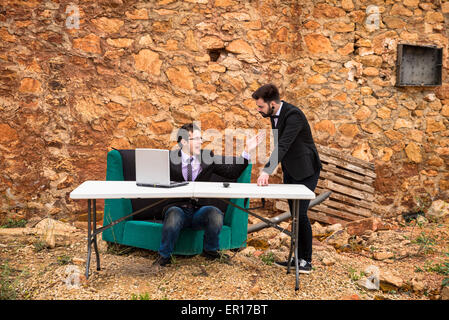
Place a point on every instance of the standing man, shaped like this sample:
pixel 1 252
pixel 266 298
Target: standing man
pixel 192 163
pixel 298 155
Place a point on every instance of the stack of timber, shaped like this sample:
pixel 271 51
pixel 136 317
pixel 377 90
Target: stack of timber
pixel 351 181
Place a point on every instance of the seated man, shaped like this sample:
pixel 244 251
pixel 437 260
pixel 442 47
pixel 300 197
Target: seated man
pixel 191 163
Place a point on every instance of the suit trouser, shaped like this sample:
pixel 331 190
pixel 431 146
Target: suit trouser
pixel 304 229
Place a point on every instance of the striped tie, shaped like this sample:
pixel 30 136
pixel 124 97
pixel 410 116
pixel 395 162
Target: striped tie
pixel 189 169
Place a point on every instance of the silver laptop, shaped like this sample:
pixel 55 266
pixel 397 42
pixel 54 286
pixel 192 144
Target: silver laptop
pixel 153 169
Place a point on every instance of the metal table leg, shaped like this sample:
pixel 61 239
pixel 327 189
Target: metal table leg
pixel 92 234
pixel 97 254
pixel 296 234
pixel 294 242
pixel 89 237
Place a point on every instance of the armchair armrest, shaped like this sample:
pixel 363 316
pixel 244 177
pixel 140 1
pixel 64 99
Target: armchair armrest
pixel 115 208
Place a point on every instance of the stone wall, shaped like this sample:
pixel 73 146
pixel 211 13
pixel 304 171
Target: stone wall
pixel 133 71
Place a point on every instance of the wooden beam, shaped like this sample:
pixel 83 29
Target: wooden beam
pixel 329 167
pixel 348 166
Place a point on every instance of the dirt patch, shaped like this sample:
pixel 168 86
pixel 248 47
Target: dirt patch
pixel 412 262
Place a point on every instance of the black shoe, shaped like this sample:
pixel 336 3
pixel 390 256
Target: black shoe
pixel 303 265
pixel 284 264
pixel 212 255
pixel 161 261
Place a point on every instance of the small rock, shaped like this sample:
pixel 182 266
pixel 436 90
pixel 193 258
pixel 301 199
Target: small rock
pixel 334 228
pixel 338 239
pixel 275 242
pixel 31 223
pixel 418 285
pixel 282 205
pixel 430 97
pixel 49 233
pixel 260 244
pixel 58 226
pixel 445 293
pixel 382 255
pixel 285 239
pixel 389 278
pixel 360 226
pixel 78 261
pixel 258 253
pixel 318 229
pixel 255 290
pixel 437 210
pixel 281 255
pixel 421 220
pixel 328 261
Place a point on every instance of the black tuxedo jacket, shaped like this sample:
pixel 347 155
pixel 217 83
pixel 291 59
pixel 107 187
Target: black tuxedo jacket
pixel 297 152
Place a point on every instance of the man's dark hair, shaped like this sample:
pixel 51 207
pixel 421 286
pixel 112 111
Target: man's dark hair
pixel 183 132
pixel 268 92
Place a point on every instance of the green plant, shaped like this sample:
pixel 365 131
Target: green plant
pixel 39 245
pixel 445 281
pixel 267 258
pixel 64 259
pixel 354 275
pixel 422 204
pixel 7 285
pixel 144 296
pixel 11 223
pixel 426 243
pixel 440 268
pixel 119 249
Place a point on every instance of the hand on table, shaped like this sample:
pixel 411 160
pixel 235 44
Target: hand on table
pixel 262 180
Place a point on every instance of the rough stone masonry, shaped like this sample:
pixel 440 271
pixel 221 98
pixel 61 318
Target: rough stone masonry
pixel 80 77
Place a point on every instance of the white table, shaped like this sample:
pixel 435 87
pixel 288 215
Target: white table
pixel 92 190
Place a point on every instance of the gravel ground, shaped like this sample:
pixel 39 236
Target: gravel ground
pixel 127 273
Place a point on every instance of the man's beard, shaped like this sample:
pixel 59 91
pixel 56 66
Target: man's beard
pixel 266 115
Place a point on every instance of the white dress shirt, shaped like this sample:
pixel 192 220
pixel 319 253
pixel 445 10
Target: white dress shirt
pixel 277 114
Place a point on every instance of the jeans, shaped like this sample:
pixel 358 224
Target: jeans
pixel 304 228
pixel 207 218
